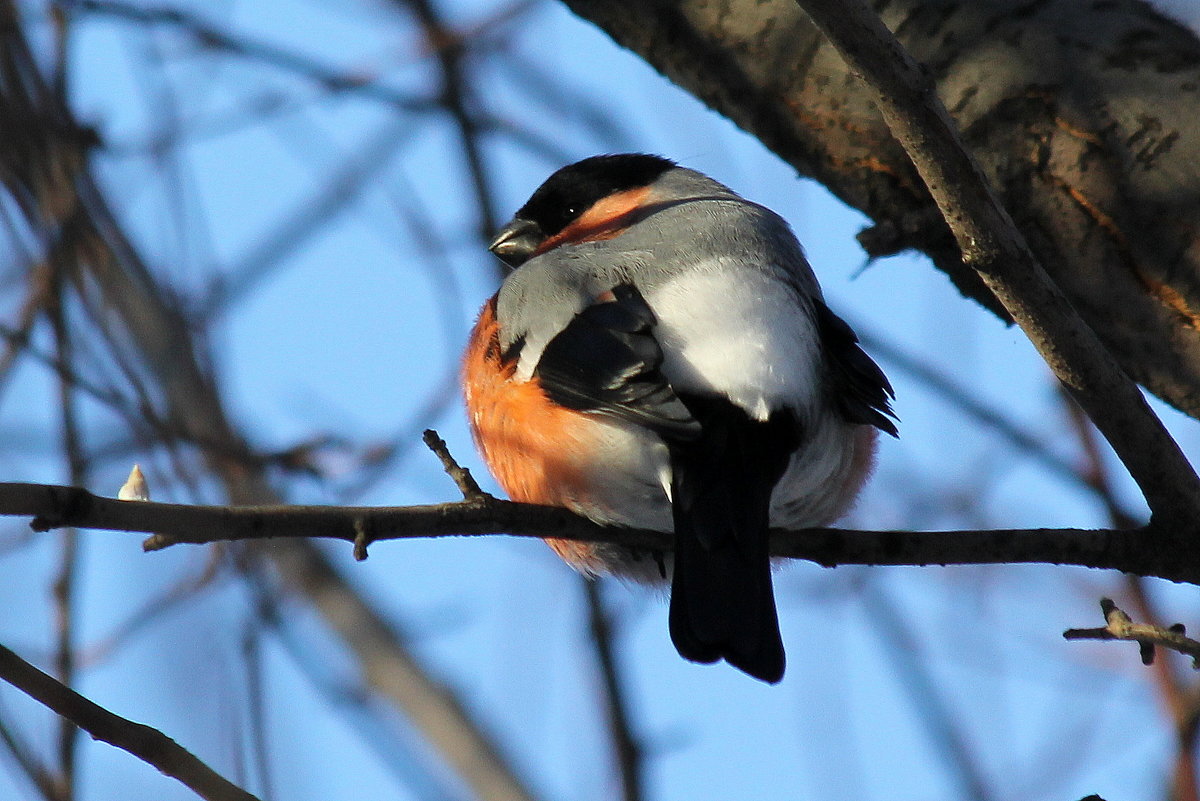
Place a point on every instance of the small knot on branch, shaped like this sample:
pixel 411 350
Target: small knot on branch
pixel 362 538
pixel 1119 626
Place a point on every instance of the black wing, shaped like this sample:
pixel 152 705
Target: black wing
pixel 859 388
pixel 607 361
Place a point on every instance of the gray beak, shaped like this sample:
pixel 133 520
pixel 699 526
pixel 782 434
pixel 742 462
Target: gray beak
pixel 517 242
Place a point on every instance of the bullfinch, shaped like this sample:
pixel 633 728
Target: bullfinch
pixel 661 357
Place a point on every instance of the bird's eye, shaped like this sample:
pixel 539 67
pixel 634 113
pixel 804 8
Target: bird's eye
pixel 571 211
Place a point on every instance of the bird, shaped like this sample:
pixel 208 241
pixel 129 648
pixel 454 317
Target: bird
pixel 661 357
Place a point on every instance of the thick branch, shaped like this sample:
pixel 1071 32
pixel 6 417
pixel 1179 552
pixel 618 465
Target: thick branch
pixel 170 524
pixel 147 744
pixel 1081 114
pixel 993 246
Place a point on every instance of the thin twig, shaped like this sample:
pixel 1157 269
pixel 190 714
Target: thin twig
pixel 147 744
pixel 1181 705
pixel 1119 626
pixel 362 538
pixel 461 476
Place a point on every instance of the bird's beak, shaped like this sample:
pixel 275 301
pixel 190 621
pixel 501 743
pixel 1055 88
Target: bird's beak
pixel 517 242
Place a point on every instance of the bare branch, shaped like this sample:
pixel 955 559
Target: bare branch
pixel 147 744
pixel 1180 704
pixel 1119 626
pixel 170 524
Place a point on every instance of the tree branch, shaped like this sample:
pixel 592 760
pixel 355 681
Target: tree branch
pixel 147 744
pixel 1119 626
pixel 460 475
pixel 992 245
pixel 172 524
pixel 1084 133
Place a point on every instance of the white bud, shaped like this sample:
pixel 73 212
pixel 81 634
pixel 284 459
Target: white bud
pixel 135 487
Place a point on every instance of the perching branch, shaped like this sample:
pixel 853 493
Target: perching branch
pixel 147 744
pixel 1119 626
pixel 172 524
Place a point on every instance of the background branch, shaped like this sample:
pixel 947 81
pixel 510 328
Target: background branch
pixel 146 743
pixel 145 327
pixel 627 746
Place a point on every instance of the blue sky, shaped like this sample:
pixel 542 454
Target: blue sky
pixel 357 328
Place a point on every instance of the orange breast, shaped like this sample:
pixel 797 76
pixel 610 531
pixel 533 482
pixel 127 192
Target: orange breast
pixel 537 450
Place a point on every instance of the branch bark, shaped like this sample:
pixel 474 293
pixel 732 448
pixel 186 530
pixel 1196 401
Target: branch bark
pixel 996 250
pixel 171 524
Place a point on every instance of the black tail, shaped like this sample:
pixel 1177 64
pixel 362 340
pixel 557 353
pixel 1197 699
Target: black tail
pixel 722 601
